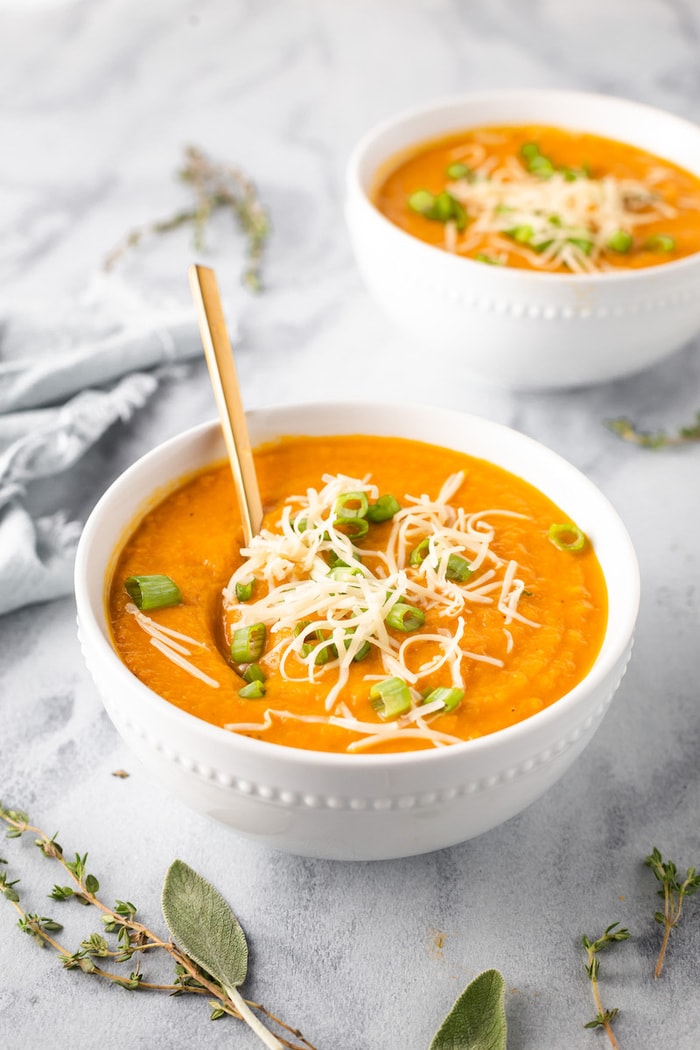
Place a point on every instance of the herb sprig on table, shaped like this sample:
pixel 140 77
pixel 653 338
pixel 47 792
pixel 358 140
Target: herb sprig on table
pixel 214 187
pixel 210 952
pixel 613 934
pixel 208 948
pixel 674 889
pixel 654 439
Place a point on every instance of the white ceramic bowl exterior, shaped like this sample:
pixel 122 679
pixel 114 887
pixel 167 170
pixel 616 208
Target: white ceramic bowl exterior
pixel 355 806
pixel 512 327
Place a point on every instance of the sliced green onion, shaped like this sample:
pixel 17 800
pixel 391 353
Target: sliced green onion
pixel 336 562
pixel 363 651
pixel 325 654
pixel 458 569
pixel 244 591
pixel 555 220
pixel 253 691
pixel 344 573
pixel 248 643
pixel 529 150
pixel 422 201
pixel 482 257
pixel 153 592
pixel 300 627
pixel 300 523
pixel 350 505
pixel 419 553
pixel 353 528
pixel 567 537
pixel 404 617
pixel 441 208
pixel 521 234
pixel 390 698
pixel 450 697
pixel 385 508
pixel 459 171
pixel 660 242
pixel 620 241
pixel 254 673
pixel 585 244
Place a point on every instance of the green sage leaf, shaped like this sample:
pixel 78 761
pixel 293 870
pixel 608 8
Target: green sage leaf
pixel 203 925
pixel 477 1021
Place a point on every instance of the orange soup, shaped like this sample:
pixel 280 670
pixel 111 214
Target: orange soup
pixel 542 198
pixel 414 598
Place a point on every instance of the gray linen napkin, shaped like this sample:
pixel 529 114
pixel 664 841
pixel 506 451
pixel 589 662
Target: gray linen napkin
pixel 53 407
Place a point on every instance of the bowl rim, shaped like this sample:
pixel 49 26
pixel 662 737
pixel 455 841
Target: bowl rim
pixel 355 191
pixel 95 631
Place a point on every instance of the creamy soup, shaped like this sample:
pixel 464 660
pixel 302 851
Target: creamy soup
pixel 543 198
pixel 399 596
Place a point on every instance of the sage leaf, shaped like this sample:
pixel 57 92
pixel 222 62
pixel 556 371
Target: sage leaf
pixel 477 1021
pixel 203 925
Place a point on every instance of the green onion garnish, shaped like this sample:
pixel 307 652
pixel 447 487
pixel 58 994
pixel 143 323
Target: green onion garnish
pixel 248 643
pixel 325 654
pixel 521 234
pixel 336 562
pixel 253 691
pixel 536 162
pixel 244 591
pixel 153 592
pixel 353 528
pixel 621 241
pixel 567 537
pixel 450 697
pixel 254 673
pixel 344 573
pixel 482 257
pixel 385 508
pixel 390 698
pixel 459 171
pixel 350 505
pixel 364 649
pixel 404 617
pixel 660 243
pixel 441 208
pixel 458 569
pixel 584 244
pixel 419 553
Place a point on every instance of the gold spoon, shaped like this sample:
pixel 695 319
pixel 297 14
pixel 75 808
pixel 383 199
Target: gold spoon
pixel 222 371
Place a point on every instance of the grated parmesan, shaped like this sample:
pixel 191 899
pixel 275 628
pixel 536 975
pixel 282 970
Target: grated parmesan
pixel 308 607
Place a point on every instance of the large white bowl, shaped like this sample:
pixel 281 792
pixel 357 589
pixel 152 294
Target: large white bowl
pixel 355 806
pixel 513 327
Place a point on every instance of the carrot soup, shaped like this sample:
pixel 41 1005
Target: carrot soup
pixel 413 598
pixel 543 198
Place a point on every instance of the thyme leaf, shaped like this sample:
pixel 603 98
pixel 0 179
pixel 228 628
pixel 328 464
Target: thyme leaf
pixel 674 890
pixel 214 187
pixel 211 959
pixel 603 1018
pixel 628 431
pixel 477 1021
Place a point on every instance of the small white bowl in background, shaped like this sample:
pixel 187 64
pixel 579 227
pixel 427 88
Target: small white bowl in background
pixel 355 807
pixel 511 327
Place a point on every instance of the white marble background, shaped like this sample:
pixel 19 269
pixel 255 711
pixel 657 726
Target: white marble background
pixel 97 100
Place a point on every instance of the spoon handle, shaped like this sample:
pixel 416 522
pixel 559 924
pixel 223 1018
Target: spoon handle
pixel 222 371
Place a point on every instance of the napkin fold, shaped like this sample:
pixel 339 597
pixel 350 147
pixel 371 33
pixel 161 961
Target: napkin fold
pixel 55 403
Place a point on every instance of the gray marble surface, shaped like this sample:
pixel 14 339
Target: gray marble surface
pixel 97 100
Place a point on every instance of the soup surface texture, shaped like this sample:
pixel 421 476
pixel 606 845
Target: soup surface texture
pixel 413 598
pixel 543 198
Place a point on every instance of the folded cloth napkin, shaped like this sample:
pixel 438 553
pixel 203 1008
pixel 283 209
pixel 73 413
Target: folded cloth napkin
pixel 53 407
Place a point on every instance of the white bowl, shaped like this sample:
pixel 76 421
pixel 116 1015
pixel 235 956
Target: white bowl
pixel 355 806
pixel 514 327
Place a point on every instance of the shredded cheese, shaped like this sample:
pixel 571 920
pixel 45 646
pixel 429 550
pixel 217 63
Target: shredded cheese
pixel 564 221
pixel 163 639
pixel 310 609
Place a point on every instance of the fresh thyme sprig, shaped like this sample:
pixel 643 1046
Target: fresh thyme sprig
pixel 628 431
pixel 603 1018
pixel 215 186
pixel 674 891
pixel 187 897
